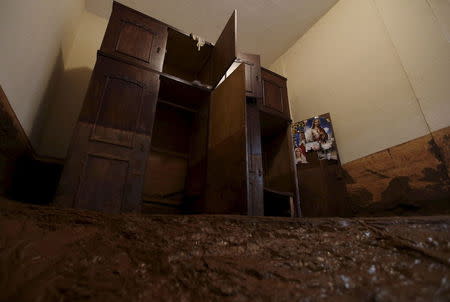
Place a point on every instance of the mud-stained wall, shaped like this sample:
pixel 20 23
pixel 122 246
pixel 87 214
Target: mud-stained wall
pixel 409 178
pixel 380 67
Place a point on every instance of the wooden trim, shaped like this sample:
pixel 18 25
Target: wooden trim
pixel 12 129
pixel 22 144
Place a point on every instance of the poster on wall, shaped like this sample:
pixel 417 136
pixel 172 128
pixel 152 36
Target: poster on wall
pixel 314 135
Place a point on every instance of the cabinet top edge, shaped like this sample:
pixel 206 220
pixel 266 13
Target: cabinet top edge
pixel 273 73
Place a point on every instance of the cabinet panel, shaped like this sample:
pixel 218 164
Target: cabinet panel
pixel 117 119
pixel 107 173
pixel 134 36
pixel 223 54
pixel 275 99
pixel 135 41
pixel 106 162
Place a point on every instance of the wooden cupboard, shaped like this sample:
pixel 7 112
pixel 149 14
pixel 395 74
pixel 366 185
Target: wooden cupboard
pixel 170 128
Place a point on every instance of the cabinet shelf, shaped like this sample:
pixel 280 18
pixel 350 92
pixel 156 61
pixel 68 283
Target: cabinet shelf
pixel 168 152
pixel 177 106
pixel 287 194
pixel 160 201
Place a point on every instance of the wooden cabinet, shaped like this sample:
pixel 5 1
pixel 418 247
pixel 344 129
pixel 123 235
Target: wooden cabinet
pixel 105 167
pixel 159 134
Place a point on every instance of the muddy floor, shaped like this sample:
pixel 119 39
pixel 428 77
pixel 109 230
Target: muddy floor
pixel 49 254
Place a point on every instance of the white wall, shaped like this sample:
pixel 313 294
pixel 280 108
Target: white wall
pixel 66 102
pixel 34 36
pixel 419 30
pixel 371 63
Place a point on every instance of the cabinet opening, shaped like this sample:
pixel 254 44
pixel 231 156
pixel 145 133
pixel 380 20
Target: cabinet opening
pixel 183 59
pixel 178 144
pixel 278 203
pixel 276 154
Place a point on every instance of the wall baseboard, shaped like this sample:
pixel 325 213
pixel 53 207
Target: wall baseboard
pixel 14 141
pixel 24 175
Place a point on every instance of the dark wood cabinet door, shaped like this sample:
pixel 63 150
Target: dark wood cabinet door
pixel 135 37
pixel 226 181
pixel 252 74
pixel 275 97
pixel 106 162
pixel 223 55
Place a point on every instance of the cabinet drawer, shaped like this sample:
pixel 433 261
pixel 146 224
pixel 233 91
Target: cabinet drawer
pixel 275 98
pixel 135 37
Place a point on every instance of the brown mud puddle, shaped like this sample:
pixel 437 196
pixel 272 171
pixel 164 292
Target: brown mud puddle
pixel 49 254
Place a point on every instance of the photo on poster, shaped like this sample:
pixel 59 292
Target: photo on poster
pixel 314 135
pixel 298 132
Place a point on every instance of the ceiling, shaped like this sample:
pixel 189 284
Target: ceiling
pixel 265 27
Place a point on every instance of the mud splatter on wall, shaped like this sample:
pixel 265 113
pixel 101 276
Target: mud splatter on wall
pixel 409 178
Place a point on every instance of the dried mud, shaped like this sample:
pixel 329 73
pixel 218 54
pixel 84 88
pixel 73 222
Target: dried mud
pixel 50 254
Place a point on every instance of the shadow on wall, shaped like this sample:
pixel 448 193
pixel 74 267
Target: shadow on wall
pixel 59 110
pixel 35 180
